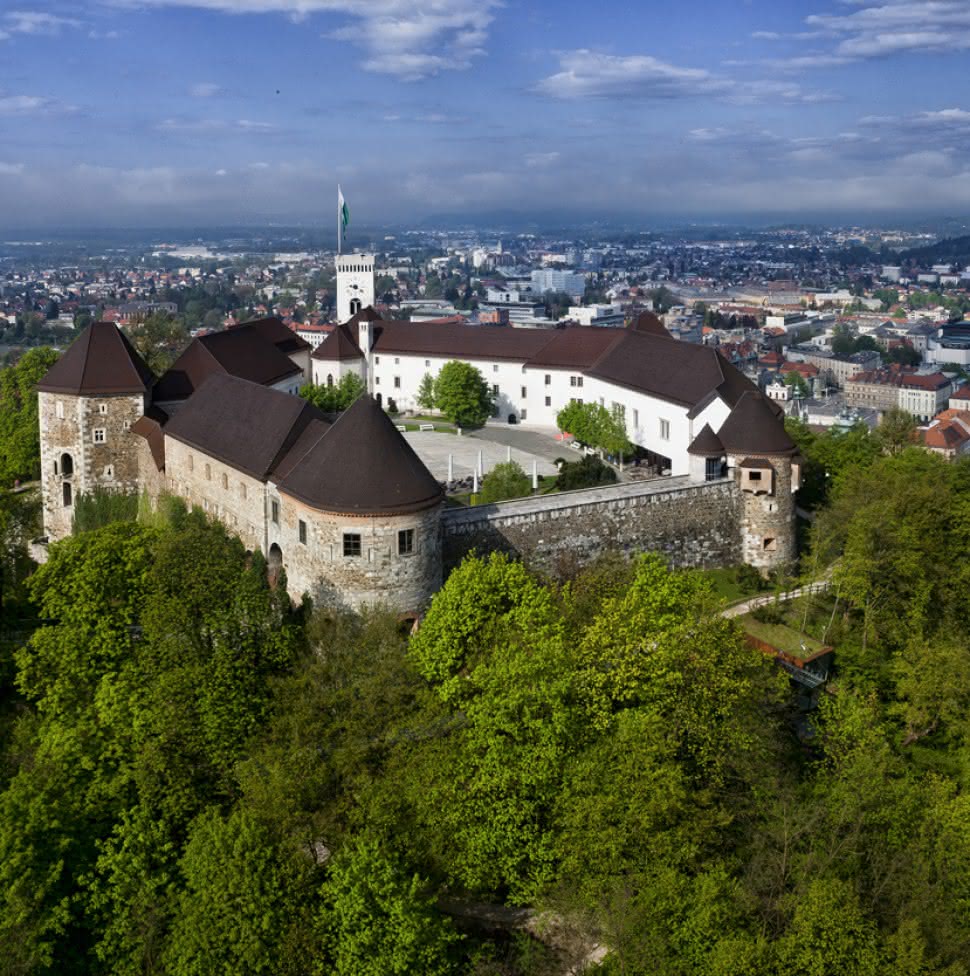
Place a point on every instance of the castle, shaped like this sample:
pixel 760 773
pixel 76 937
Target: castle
pixel 345 505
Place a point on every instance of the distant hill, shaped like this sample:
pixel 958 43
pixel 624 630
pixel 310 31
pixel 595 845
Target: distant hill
pixel 953 250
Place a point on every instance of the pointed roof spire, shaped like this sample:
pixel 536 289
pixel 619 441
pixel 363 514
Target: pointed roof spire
pixel 363 466
pixel 338 345
pixel 100 361
pixel 706 444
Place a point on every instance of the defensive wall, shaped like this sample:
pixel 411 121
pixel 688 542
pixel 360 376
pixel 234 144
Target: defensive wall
pixel 691 524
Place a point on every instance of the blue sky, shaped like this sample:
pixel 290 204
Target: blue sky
pixel 120 112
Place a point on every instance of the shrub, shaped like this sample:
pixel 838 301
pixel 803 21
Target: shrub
pixel 588 472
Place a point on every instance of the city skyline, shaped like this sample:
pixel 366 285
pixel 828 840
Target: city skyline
pixel 233 111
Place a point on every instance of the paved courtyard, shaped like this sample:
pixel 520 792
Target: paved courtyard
pixel 494 443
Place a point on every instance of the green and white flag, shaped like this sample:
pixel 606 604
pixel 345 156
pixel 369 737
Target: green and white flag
pixel 343 211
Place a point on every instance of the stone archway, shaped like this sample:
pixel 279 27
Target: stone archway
pixel 67 465
pixel 274 564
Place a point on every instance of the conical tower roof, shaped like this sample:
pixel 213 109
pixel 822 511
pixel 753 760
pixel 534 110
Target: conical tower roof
pixel 100 362
pixel 338 346
pixel 363 466
pixel 706 444
pixel 754 427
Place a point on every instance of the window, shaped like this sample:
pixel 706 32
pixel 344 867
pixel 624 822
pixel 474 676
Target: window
pixel 524 394
pixel 548 401
pixel 494 367
pixel 397 382
pixel 59 409
pixel 427 362
pixel 66 493
pixel 665 430
pixel 109 471
pixel 754 476
pixel 768 543
pixel 99 435
pixel 329 379
pixel 102 408
pixel 397 361
pixel 636 418
pixel 274 511
pixel 523 414
pixel 225 482
pixel 351 543
pixel 191 463
pixel 495 389
pixel 208 473
pixel 302 531
pixel 377 360
pixel 548 379
pixel 377 381
pixel 405 542
pixel 55 468
pixel 243 492
pixel 575 381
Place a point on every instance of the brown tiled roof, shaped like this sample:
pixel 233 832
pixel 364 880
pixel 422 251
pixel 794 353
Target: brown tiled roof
pixel 274 330
pixel 244 424
pixel 681 372
pixel 458 341
pixel 576 347
pixel 706 444
pixel 244 352
pixel 754 427
pixel 150 427
pixel 101 361
pixel 339 345
pixel 369 314
pixel 755 463
pixel 648 322
pixel 362 466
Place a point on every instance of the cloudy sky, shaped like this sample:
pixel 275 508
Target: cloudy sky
pixel 123 112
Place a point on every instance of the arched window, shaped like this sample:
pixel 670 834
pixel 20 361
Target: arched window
pixel 67 465
pixel 329 379
pixel 354 306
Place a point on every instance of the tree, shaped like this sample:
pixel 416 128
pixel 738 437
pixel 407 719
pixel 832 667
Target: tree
pixel 19 425
pixel 587 472
pixel 462 395
pixel 797 383
pixel 904 354
pixel 378 921
pixel 334 399
pixel 896 430
pixel 425 395
pixel 506 480
pixel 594 425
pixel 158 339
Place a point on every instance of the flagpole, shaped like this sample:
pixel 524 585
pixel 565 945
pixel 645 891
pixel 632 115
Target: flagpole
pixel 339 218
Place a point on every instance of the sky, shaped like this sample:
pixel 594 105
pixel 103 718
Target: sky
pixel 174 112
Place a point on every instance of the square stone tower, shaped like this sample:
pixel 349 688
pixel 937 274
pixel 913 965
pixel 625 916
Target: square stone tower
pixel 88 401
pixel 355 284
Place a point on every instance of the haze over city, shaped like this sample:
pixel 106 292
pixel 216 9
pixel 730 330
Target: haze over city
pixel 228 111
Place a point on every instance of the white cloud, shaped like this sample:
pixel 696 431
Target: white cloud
pixel 11 169
pixel 205 89
pixel 535 159
pixel 34 22
pixel 590 74
pixel 24 104
pixel 214 125
pixel 411 39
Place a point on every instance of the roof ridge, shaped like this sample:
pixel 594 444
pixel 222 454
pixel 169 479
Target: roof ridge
pixel 284 450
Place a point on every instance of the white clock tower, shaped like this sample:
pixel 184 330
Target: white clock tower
pixel 355 284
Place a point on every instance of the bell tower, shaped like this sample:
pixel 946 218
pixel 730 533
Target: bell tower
pixel 355 284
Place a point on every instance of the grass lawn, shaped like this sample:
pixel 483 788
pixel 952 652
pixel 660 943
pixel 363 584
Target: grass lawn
pixel 726 584
pixel 785 638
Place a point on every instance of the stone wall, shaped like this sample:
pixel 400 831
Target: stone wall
pixel 379 575
pixel 689 524
pixel 94 432
pixel 768 520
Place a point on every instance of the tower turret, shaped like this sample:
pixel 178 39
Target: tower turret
pixel 355 284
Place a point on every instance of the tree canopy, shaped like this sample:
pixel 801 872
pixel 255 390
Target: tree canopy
pixel 462 395
pixel 19 425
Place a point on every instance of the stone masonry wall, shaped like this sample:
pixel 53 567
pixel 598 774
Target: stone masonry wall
pixel 689 524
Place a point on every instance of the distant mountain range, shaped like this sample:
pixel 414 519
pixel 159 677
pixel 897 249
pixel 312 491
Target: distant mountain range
pixel 953 250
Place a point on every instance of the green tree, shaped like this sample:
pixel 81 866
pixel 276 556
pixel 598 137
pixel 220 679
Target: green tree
pixel 592 424
pixel 334 399
pixel 377 919
pixel 587 472
pixel 425 395
pixel 19 424
pixel 798 383
pixel 462 395
pixel 896 430
pixel 506 480
pixel 159 338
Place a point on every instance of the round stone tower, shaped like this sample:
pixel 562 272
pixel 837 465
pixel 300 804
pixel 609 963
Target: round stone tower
pixel 762 459
pixel 88 401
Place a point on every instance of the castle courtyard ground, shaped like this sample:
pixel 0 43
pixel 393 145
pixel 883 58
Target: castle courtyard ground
pixel 494 443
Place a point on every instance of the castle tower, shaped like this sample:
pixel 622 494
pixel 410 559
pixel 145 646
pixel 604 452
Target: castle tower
pixel 88 401
pixel 763 460
pixel 355 284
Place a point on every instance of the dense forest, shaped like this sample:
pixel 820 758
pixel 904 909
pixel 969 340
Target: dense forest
pixel 198 777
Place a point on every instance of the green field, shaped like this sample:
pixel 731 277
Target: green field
pixel 785 638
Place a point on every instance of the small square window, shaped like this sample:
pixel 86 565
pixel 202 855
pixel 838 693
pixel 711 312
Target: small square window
pixel 102 408
pixel 405 542
pixel 377 381
pixel 302 531
pixel 377 360
pixel 397 382
pixel 427 362
pixel 665 430
pixel 352 544
pixel 523 414
pixel 109 471
pixel 495 367
pixel 99 435
pixel 397 361
pixel 769 544
pixel 274 510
